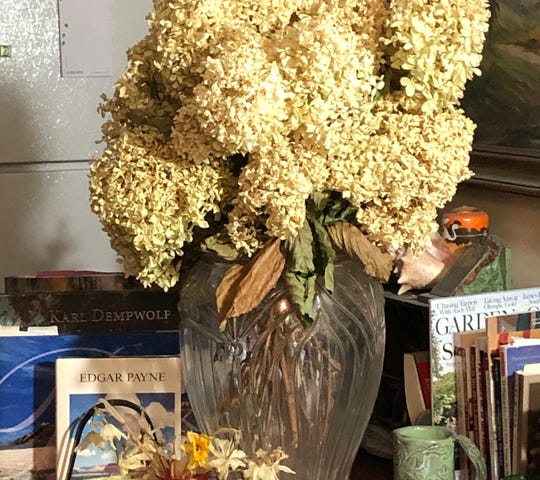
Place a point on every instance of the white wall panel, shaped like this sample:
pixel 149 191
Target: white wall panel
pixel 45 217
pixel 44 117
pixel 46 222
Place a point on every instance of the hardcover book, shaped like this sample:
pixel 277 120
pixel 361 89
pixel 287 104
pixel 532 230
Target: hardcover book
pixel 70 280
pixel 416 378
pixel 449 315
pixel 142 390
pixel 527 428
pixel 481 365
pixel 91 311
pixel 502 330
pixel 463 343
pixel 27 390
pixel 514 357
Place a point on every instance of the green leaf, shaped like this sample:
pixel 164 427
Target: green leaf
pixel 220 244
pixel 320 200
pixel 332 211
pixel 300 250
pixel 300 275
pixel 302 292
pixel 338 209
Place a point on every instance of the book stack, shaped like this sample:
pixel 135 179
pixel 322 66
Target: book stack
pixel 461 366
pixel 498 391
pixel 70 314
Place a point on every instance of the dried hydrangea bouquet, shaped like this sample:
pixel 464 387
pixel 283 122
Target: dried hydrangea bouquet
pixel 279 134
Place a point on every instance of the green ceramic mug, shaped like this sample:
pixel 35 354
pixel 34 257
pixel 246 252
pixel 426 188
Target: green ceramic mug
pixel 427 453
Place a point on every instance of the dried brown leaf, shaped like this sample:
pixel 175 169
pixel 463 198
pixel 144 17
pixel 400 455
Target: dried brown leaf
pixel 349 238
pixel 245 285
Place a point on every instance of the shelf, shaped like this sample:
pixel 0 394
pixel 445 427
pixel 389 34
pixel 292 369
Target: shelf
pixel 371 467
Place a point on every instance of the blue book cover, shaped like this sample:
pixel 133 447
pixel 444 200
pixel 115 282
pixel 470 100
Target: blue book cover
pixel 27 389
pixel 513 357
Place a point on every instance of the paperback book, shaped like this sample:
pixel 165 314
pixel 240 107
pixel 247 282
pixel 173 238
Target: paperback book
pixel 141 390
pixel 27 389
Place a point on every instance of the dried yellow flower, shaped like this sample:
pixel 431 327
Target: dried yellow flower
pixel 233 113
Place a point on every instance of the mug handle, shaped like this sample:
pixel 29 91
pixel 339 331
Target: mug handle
pixel 474 455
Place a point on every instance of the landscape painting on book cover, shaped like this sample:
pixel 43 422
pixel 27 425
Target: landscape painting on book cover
pixel 28 395
pixel 92 462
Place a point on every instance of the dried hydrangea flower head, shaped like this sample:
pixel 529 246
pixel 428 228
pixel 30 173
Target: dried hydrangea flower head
pixel 234 114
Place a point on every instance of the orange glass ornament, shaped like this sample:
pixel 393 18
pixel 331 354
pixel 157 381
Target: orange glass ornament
pixel 463 225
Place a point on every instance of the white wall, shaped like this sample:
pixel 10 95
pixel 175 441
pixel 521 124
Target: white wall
pixel 45 220
pixel 46 223
pixel 48 128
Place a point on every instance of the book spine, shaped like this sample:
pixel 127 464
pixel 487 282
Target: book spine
pixel 505 415
pixel 484 418
pixel 424 375
pixel 413 389
pixel 515 432
pixel 519 456
pixel 459 362
pixel 85 312
pixel 71 282
pixel 475 411
pixel 497 412
pixel 462 418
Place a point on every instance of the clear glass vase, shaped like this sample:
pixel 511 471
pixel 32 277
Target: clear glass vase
pixel 310 391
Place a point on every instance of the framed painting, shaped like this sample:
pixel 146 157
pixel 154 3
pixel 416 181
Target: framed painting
pixel 505 100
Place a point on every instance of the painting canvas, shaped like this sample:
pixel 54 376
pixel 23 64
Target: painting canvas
pixel 505 100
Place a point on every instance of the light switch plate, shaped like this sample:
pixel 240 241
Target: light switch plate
pixel 5 50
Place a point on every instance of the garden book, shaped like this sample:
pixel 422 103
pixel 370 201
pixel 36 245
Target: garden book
pixel 449 315
pixel 27 389
pixel 144 391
